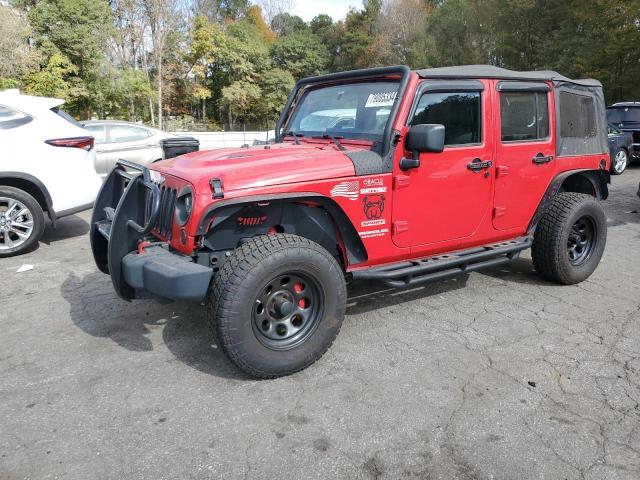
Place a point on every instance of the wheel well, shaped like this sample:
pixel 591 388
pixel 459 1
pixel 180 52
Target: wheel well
pixel 30 187
pixel 317 218
pixel 591 182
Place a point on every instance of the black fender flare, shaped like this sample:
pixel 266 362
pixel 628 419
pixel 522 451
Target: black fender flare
pixel 597 178
pixel 37 184
pixel 218 212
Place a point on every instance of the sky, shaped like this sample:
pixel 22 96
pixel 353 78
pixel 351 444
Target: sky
pixel 307 9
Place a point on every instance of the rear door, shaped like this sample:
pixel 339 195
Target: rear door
pixel 525 151
pixel 128 142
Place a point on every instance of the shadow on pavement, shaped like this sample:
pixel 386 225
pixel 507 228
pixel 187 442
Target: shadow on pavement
pixel 96 309
pixel 67 227
pixel 365 297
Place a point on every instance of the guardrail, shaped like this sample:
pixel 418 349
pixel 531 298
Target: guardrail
pixel 213 140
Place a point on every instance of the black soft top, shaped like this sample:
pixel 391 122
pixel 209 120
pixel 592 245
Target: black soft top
pixel 489 71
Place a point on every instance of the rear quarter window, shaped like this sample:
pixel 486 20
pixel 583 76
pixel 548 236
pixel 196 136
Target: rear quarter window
pixel 577 116
pixel 10 118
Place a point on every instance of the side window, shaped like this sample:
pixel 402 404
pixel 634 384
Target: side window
pixel 99 133
pixel 524 116
pixel 459 112
pixel 577 116
pixel 126 133
pixel 10 118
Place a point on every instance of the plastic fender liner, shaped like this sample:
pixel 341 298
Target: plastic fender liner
pixel 219 212
pixel 598 180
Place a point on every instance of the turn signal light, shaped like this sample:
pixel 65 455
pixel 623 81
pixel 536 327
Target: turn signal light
pixel 85 143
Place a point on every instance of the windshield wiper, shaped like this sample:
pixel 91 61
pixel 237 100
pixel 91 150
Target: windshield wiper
pixel 296 136
pixel 335 138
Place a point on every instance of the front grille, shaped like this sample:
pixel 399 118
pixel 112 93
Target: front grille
pixel 164 223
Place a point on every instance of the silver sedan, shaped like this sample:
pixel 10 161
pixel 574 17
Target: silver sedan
pixel 116 140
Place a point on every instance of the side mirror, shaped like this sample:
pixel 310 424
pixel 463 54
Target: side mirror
pixel 428 137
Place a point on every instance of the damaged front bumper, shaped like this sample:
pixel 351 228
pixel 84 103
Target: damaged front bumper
pixel 125 213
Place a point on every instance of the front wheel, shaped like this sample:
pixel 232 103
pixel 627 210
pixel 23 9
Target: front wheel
pixel 277 304
pixel 619 161
pixel 21 221
pixel 570 238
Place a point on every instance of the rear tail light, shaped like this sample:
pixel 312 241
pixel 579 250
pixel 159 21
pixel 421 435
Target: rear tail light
pixel 85 143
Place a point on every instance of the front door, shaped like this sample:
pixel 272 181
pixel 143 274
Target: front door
pixel 525 153
pixel 449 195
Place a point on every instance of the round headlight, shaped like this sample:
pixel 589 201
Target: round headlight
pixel 184 207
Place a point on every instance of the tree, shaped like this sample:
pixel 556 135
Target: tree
pixel 302 54
pixel 14 42
pixel 57 79
pixel 162 20
pixel 79 30
pixel 286 24
pixel 204 45
pixel 239 100
pixel 276 84
pixel 273 8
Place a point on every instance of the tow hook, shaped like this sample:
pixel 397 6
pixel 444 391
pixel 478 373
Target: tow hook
pixel 144 244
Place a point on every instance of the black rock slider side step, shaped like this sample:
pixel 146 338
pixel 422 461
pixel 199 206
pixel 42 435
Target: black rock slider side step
pixel 409 273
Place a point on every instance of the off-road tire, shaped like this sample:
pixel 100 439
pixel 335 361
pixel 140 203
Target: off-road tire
pixel 233 295
pixel 38 220
pixel 550 244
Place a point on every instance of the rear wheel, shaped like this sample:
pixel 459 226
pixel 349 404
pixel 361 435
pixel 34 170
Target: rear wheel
pixel 21 221
pixel 619 161
pixel 277 304
pixel 570 238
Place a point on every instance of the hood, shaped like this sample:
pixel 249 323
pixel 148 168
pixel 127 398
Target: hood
pixel 241 168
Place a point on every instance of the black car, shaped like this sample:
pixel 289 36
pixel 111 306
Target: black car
pixel 626 117
pixel 619 146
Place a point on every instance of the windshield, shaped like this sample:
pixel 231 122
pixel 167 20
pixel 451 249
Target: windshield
pixel 620 115
pixel 355 110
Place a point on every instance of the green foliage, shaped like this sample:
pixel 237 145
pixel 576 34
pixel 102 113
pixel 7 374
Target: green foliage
pixel 276 84
pixel 240 99
pixel 8 83
pixel 223 64
pixel 56 79
pixel 302 54
pixel 286 24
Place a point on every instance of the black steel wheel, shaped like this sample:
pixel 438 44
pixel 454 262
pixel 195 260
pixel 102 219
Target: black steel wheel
pixel 581 240
pixel 570 238
pixel 277 304
pixel 287 310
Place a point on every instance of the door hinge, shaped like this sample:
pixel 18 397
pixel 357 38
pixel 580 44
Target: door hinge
pixel 499 212
pixel 400 226
pixel 502 171
pixel 401 181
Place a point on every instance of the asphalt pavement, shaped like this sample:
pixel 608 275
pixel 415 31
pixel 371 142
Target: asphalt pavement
pixel 498 375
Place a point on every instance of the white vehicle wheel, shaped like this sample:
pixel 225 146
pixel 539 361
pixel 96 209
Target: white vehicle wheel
pixel 21 221
pixel 619 161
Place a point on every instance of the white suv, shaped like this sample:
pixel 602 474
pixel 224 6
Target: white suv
pixel 46 165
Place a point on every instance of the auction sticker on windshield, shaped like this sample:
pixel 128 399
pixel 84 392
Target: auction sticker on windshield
pixel 382 99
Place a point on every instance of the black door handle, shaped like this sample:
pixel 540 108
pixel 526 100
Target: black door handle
pixel 540 159
pixel 476 165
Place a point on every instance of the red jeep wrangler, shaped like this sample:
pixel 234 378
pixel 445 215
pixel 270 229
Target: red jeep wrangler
pixel 385 174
